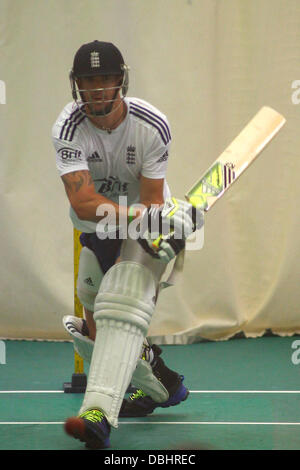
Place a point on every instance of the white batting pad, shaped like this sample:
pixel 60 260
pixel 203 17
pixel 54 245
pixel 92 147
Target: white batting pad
pixel 89 278
pixel 142 377
pixel 123 310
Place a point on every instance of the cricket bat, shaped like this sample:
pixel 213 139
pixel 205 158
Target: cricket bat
pixel 229 166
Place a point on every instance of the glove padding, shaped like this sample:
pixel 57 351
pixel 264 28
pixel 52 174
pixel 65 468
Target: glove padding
pixel 168 248
pixel 164 229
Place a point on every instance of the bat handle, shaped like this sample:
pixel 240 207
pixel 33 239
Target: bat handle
pixel 157 242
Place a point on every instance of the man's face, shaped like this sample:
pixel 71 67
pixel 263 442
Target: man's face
pixel 101 90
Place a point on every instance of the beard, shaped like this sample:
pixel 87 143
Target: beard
pixel 94 110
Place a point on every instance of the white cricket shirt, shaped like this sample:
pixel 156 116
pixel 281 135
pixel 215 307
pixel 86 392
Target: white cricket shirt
pixel 138 146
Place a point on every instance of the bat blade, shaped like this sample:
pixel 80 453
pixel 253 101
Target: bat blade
pixel 242 151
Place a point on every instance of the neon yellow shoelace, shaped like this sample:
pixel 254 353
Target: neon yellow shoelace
pixel 92 415
pixel 138 394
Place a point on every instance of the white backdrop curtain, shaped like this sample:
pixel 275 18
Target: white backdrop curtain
pixel 209 65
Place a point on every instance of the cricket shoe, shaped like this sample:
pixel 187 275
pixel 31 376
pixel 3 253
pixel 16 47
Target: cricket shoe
pixel 90 427
pixel 140 404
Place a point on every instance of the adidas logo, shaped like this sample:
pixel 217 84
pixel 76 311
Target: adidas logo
pixel 163 158
pixel 89 281
pixel 95 157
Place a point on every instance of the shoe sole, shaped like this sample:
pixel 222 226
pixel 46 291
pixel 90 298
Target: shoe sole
pixel 78 428
pixel 174 402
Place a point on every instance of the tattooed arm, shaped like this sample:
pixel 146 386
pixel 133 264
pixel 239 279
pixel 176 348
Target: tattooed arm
pixel 84 199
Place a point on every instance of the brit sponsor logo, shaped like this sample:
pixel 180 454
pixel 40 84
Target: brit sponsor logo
pixel 67 153
pixel 112 184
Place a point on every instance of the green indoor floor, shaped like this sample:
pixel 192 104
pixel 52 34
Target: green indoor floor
pixel 245 395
